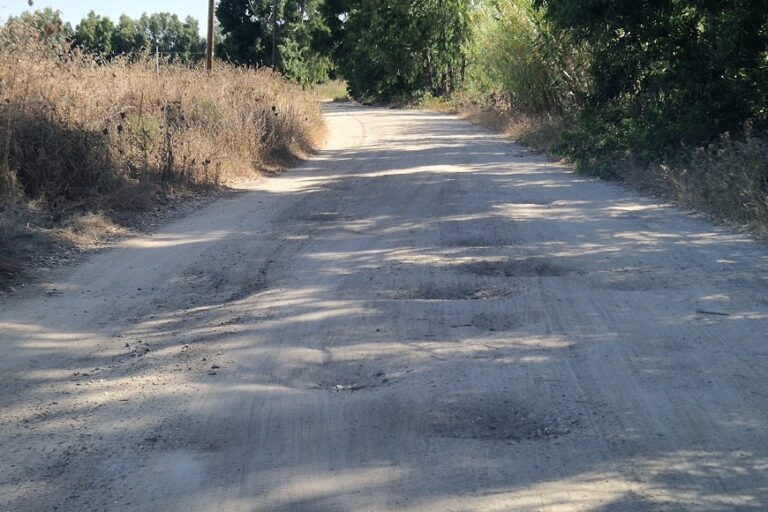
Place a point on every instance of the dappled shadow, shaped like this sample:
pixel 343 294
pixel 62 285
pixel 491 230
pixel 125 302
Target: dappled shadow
pixel 424 317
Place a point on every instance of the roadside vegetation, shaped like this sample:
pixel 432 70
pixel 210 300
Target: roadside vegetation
pixel 158 33
pixel 672 96
pixel 332 90
pixel 88 143
pixel 108 117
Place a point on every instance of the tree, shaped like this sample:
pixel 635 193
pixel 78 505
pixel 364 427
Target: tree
pixel 670 71
pixel 290 36
pixel 335 13
pixel 170 35
pixel 518 60
pixel 402 47
pixel 162 31
pixel 95 33
pixel 304 47
pixel 129 37
pixel 246 27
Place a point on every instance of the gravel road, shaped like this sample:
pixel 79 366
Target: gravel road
pixel 423 317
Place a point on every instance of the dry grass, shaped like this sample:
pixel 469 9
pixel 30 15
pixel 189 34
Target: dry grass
pixel 334 90
pixel 78 135
pixel 727 180
pixel 539 132
pixel 89 229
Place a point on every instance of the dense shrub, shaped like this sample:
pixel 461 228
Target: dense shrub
pixel 667 72
pixel 401 48
pixel 518 62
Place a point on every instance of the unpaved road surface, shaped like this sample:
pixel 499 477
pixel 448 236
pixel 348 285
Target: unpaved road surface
pixel 424 317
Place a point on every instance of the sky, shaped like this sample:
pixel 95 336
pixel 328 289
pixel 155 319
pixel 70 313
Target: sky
pixel 75 10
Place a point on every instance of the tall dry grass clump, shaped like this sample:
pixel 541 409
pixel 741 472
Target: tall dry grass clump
pixel 727 180
pixel 79 132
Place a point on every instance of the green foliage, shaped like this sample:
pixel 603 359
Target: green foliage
pixel 397 48
pixel 129 36
pixel 667 72
pixel 290 36
pixel 302 64
pixel 170 35
pixel 95 33
pixel 166 32
pixel 163 32
pixel 516 57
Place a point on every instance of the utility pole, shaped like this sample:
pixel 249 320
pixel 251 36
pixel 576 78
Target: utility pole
pixel 274 33
pixel 209 47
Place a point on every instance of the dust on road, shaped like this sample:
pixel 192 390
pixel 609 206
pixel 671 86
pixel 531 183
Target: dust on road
pixel 425 317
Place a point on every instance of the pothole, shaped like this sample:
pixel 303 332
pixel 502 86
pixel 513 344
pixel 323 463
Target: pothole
pixel 475 242
pixel 341 387
pixel 633 282
pixel 528 267
pixel 340 377
pixel 491 322
pixel 457 292
pixel 323 217
pixel 469 416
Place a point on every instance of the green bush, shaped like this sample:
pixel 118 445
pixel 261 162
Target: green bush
pixel 516 57
pixel 666 73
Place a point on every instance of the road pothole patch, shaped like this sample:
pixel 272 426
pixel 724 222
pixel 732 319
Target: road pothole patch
pixel 476 243
pixel 344 378
pixel 495 322
pixel 473 416
pixel 439 292
pixel 637 282
pixel 323 217
pixel 526 267
pixel 338 388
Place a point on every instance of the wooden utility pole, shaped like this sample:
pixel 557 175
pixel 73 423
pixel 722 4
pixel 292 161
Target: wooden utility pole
pixel 274 32
pixel 209 47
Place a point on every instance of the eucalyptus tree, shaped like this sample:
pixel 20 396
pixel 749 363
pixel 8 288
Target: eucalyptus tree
pixel 290 36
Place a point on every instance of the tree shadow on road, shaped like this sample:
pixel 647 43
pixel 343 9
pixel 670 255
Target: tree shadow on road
pixel 468 347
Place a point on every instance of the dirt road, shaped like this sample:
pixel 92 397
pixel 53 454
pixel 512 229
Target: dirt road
pixel 425 317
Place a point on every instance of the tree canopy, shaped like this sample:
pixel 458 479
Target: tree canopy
pixel 642 74
pixel 672 70
pixel 291 36
pixel 403 47
pixel 95 33
pixel 164 32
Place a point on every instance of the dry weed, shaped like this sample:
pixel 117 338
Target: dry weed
pixel 79 135
pixel 82 132
pixel 334 90
pixel 541 132
pixel 727 180
pixel 89 229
